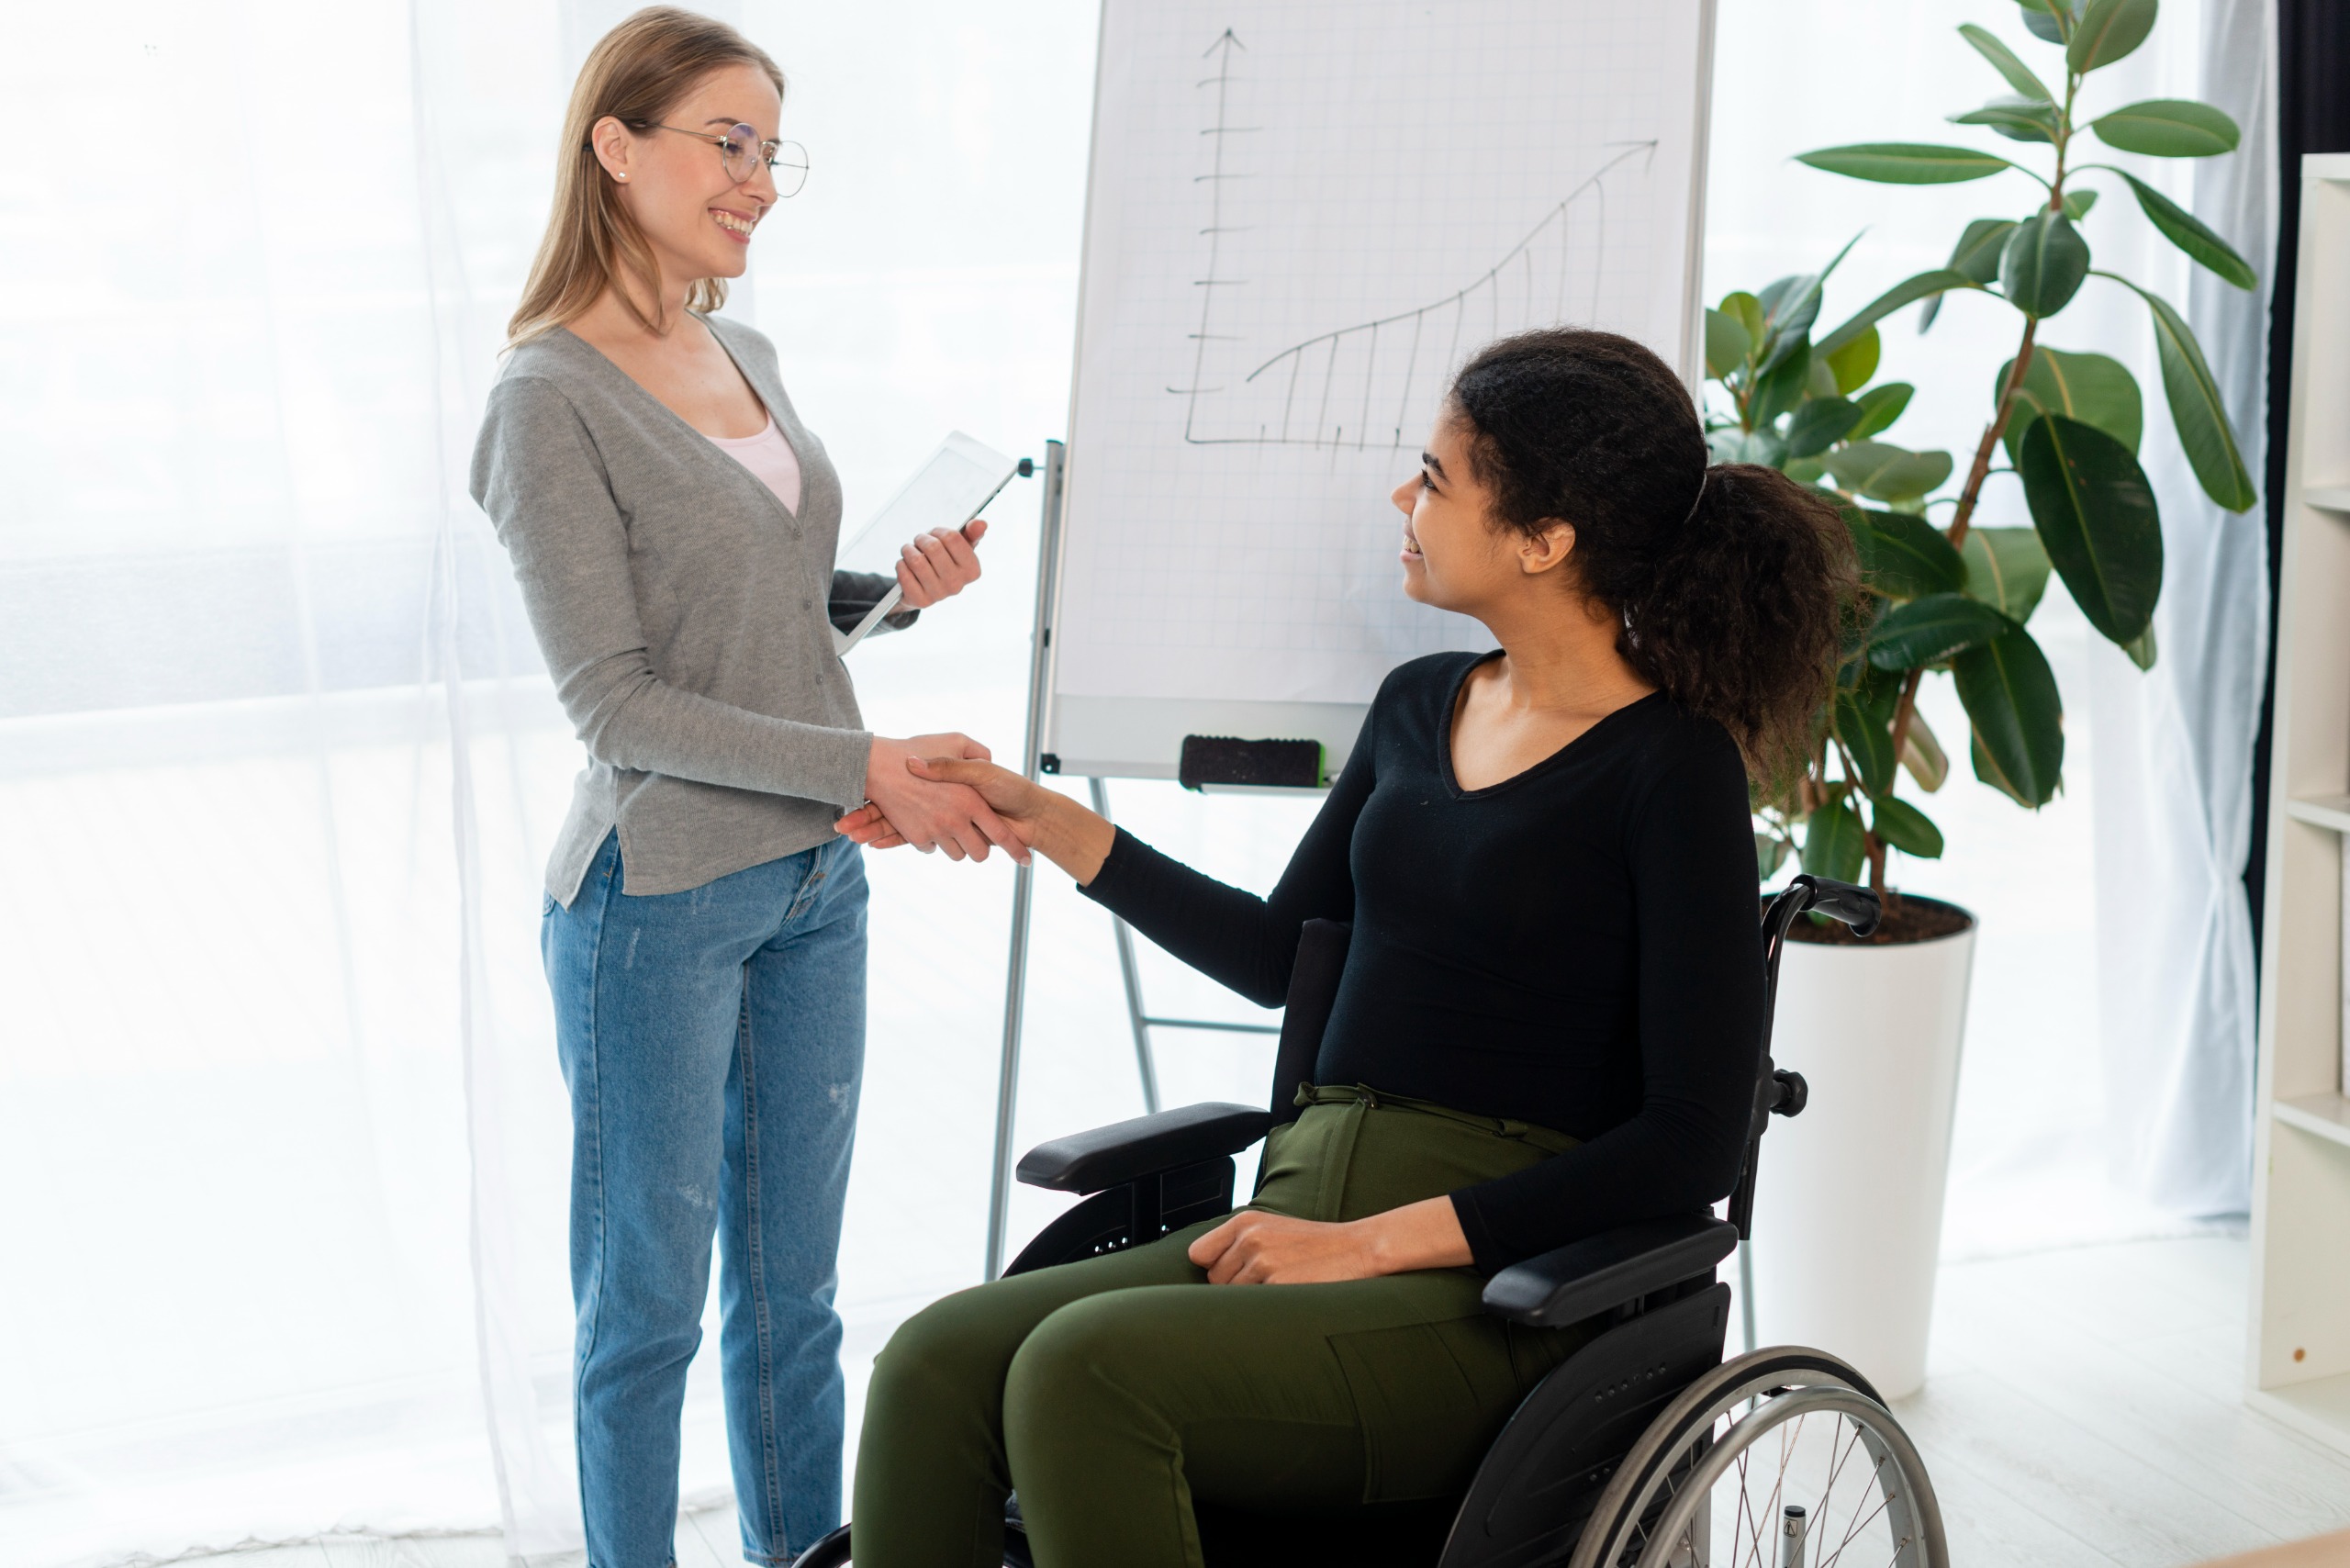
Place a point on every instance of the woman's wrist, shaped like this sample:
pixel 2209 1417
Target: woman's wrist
pixel 1072 837
pixel 1425 1235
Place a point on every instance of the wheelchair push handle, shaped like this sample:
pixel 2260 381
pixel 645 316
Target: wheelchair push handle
pixel 1855 906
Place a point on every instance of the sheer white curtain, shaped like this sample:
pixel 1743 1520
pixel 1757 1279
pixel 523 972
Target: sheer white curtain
pixel 283 1144
pixel 2173 802
pixel 277 769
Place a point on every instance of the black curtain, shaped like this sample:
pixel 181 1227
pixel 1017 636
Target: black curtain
pixel 2313 116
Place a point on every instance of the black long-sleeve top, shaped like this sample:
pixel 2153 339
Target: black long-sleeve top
pixel 1577 947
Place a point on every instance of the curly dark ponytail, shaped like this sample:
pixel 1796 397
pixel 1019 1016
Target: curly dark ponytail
pixel 1732 580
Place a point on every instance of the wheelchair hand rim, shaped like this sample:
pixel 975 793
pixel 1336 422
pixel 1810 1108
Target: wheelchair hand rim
pixel 1917 1541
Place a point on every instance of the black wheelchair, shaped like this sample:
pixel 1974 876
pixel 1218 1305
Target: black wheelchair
pixel 1645 1449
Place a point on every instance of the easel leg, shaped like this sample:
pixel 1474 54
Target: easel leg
pixel 1024 881
pixel 1145 1063
pixel 1007 1082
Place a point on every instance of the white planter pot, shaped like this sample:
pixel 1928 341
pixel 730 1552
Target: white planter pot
pixel 1848 1209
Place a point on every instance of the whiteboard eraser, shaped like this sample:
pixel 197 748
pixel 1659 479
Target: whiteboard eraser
pixel 1220 759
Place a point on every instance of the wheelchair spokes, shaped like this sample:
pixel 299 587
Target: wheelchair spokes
pixel 1805 1479
pixel 1777 1460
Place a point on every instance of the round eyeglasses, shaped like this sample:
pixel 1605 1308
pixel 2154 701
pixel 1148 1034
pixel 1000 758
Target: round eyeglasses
pixel 740 153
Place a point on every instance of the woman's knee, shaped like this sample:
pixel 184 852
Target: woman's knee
pixel 1074 1370
pixel 957 1347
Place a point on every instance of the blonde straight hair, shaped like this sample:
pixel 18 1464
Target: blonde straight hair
pixel 636 73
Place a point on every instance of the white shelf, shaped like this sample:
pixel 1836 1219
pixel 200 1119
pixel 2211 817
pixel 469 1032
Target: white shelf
pixel 2299 1366
pixel 2321 810
pixel 2320 1408
pixel 2325 1116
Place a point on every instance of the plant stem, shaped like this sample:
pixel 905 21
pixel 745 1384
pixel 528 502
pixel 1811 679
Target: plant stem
pixel 1907 706
pixel 1872 847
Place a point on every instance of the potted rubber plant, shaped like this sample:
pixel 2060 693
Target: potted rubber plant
pixel 1855 1203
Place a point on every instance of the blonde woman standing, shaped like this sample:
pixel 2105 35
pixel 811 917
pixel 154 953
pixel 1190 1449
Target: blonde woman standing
pixel 672 524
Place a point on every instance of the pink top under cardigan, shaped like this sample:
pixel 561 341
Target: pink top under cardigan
pixel 769 458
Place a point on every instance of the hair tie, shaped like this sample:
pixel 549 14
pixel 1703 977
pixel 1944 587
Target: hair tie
pixel 1703 476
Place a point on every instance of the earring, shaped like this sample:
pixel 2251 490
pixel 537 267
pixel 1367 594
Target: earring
pixel 619 176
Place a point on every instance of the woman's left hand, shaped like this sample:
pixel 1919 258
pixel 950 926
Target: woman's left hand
pixel 1253 1248
pixel 940 564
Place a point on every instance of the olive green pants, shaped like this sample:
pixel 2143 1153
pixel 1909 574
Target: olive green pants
pixel 1113 1391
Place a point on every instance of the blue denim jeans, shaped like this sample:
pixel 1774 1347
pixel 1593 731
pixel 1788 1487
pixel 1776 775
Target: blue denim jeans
pixel 712 1040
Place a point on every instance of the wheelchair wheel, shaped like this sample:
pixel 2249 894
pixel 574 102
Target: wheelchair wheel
pixel 1784 1456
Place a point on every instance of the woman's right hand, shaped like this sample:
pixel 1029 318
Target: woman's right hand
pixel 932 812
pixel 1046 821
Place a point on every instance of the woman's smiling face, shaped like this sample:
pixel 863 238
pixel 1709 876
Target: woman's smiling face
pixel 1454 556
pixel 697 218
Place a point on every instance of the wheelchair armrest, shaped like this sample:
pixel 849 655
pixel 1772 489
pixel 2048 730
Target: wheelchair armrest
pixel 1588 1277
pixel 1125 1151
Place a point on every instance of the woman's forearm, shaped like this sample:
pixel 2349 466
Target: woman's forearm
pixel 1071 837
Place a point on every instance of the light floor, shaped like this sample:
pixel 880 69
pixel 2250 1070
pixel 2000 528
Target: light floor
pixel 2082 1412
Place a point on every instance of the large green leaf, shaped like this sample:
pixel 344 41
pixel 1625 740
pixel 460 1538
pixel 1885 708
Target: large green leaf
pixel 1727 344
pixel 1909 291
pixel 1770 854
pixel 1782 387
pixel 1766 447
pixel 1854 362
pixel 2040 18
pixel 2107 30
pixel 2096 516
pixel 2191 234
pixel 1866 730
pixel 1921 754
pixel 2005 567
pixel 2003 60
pixel 1880 405
pixel 2018 718
pixel 1820 424
pixel 1907 829
pixel 1903 557
pixel 2042 263
pixel 1884 472
pixel 2090 387
pixel 2018 119
pixel 1789 308
pixel 1832 844
pixel 2168 128
pixel 1906 162
pixel 2141 648
pixel 2195 408
pixel 1976 255
pixel 1927 631
pixel 1747 311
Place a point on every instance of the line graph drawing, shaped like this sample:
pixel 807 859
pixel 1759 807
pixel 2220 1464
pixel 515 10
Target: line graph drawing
pixel 1216 230
pixel 1373 384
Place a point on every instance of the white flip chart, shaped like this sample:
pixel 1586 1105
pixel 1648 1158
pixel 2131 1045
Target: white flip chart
pixel 1301 216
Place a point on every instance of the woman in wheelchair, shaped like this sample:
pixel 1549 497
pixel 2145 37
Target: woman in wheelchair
pixel 1546 1026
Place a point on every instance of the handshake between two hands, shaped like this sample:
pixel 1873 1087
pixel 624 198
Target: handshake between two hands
pixel 943 792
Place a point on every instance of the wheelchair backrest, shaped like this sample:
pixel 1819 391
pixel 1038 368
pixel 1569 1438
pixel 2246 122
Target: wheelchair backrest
pixel 1313 992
